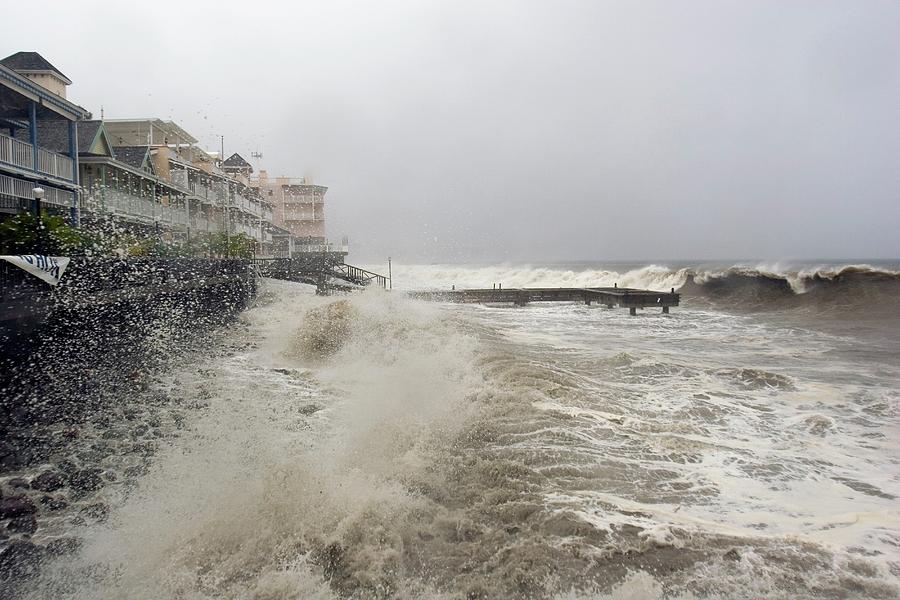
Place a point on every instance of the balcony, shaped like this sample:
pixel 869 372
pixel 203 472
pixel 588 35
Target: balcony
pixel 13 187
pixel 299 247
pixel 21 154
pixel 201 224
pixel 300 216
pixel 133 208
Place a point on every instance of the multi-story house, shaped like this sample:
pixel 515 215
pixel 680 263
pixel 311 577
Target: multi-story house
pixel 146 175
pixel 299 214
pixel 32 104
pixel 215 201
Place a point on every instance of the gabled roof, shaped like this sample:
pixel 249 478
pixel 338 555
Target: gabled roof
pixel 237 161
pixel 17 90
pixel 133 156
pixel 54 135
pixel 87 134
pixel 31 62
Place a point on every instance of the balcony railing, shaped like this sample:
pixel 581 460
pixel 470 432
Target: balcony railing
pixel 19 188
pixel 201 224
pixel 126 205
pixel 55 164
pixel 20 154
pixel 291 216
pixel 326 247
pixel 203 191
pixel 16 152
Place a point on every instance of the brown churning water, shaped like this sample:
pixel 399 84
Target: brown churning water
pixel 376 447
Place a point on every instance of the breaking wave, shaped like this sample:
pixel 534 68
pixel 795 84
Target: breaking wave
pixel 376 447
pixel 738 285
pixel 845 285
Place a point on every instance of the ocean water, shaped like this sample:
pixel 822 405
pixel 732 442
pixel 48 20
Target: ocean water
pixel 371 446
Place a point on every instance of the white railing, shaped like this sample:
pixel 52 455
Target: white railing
pixel 180 178
pixel 254 208
pixel 290 198
pixel 19 188
pixel 290 216
pixel 203 224
pixel 55 164
pixel 57 197
pixel 326 247
pixel 17 153
pixel 133 208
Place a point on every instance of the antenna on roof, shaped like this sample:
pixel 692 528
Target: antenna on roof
pixel 101 112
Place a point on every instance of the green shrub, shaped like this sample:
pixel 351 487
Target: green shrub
pixel 26 234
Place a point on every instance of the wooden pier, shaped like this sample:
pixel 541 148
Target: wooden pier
pixel 629 298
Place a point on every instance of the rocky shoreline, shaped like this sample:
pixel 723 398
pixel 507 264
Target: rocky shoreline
pixel 80 430
pixel 92 466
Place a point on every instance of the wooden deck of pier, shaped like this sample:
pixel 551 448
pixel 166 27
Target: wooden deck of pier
pixel 629 298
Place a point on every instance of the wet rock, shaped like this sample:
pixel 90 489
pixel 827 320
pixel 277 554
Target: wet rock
pixel 16 506
pixel 20 558
pixel 102 421
pixel 67 466
pixel 48 481
pixel 144 449
pixel 136 471
pixel 113 434
pixel 26 524
pixel 18 483
pixel 86 480
pixel 54 503
pixel 61 546
pixel 91 456
pixel 98 511
pixel 13 460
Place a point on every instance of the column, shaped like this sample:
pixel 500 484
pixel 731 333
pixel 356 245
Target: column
pixel 73 154
pixel 32 133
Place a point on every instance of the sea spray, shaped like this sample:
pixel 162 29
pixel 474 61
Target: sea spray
pixel 463 452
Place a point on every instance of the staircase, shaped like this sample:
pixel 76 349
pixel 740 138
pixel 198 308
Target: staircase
pixel 326 271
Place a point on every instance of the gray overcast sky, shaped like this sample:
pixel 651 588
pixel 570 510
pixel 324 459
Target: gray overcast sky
pixel 460 130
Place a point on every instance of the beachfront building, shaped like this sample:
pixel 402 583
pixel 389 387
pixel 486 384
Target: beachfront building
pixel 33 103
pixel 123 186
pixel 299 214
pixel 156 176
pixel 147 176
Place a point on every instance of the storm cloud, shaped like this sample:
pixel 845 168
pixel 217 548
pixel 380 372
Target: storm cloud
pixel 467 130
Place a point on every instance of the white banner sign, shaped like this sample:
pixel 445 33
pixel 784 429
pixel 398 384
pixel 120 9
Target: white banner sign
pixel 48 268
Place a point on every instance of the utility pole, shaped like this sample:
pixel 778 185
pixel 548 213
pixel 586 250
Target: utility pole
pixel 390 275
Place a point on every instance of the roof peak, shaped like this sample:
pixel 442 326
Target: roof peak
pixel 31 61
pixel 236 161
